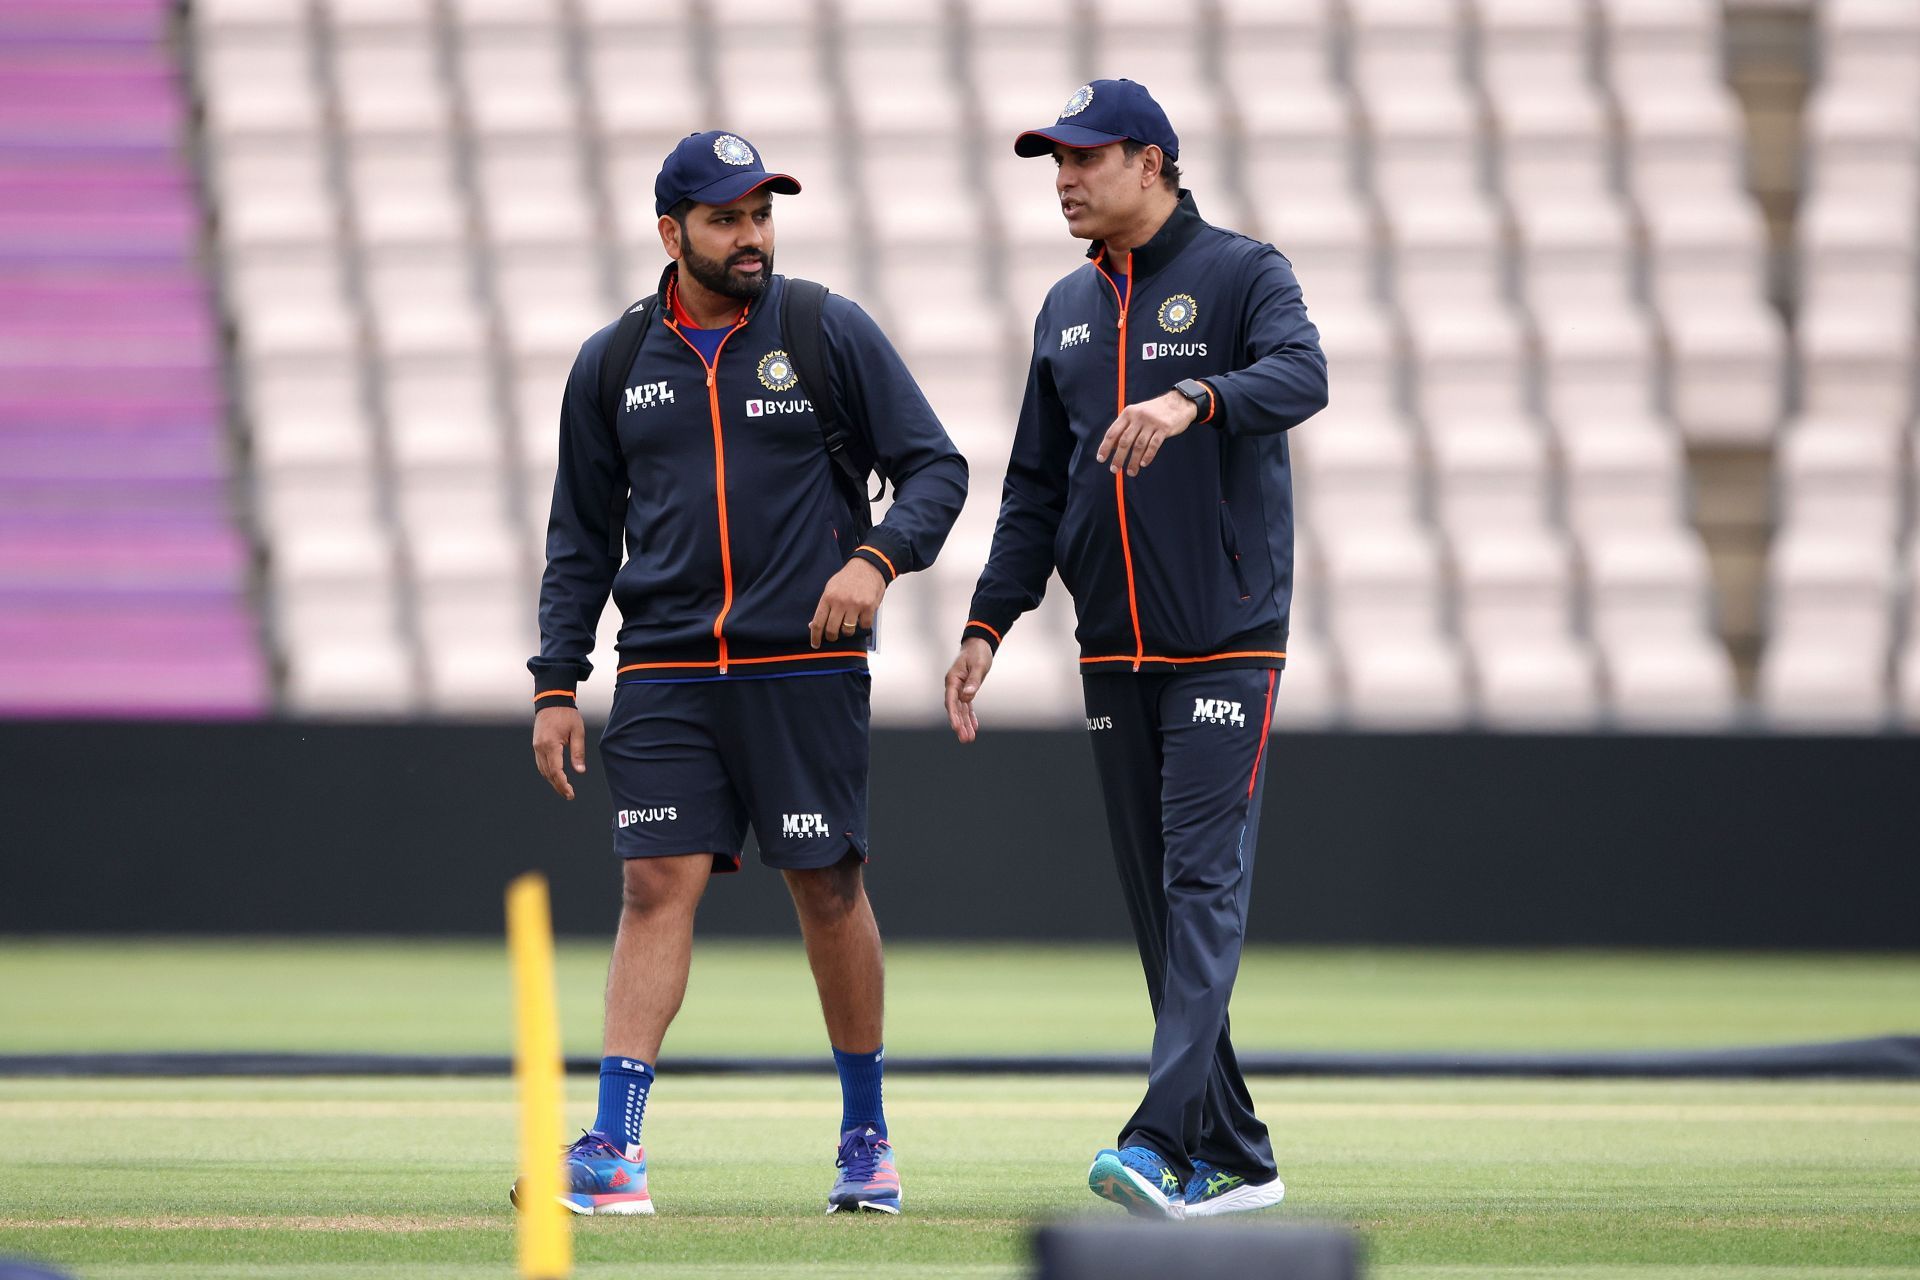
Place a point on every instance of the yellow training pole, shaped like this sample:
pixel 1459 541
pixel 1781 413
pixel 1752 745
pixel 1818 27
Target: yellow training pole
pixel 546 1242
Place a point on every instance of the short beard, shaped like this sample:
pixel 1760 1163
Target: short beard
pixel 718 275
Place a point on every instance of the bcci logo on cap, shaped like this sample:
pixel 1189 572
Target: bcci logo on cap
pixel 1082 99
pixel 1177 313
pixel 733 150
pixel 776 372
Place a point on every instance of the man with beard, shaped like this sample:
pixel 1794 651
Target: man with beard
pixel 748 598
pixel 1150 466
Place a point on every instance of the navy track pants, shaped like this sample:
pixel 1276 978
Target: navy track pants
pixel 1181 760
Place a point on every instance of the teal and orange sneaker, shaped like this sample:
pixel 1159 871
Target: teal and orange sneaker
pixel 1215 1191
pixel 602 1178
pixel 1138 1180
pixel 867 1179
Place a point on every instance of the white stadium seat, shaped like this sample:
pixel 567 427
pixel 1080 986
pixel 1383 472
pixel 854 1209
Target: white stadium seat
pixel 1523 227
pixel 1535 682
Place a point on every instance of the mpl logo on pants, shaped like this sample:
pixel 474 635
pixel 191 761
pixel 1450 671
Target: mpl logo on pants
pixel 1168 350
pixel 770 408
pixel 1218 711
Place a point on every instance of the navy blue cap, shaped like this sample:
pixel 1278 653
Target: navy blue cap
pixel 1102 112
pixel 715 167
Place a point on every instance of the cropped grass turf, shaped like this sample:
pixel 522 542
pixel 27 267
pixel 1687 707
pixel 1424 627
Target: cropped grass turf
pixel 451 997
pixel 369 1179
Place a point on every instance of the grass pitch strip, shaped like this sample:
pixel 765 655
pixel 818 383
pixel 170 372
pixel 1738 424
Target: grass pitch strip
pixel 357 1179
pixel 371 1179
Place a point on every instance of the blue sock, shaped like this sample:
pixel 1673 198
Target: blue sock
pixel 860 1090
pixel 624 1084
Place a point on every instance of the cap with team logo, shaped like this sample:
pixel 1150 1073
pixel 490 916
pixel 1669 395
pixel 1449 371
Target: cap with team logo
pixel 1102 112
pixel 715 167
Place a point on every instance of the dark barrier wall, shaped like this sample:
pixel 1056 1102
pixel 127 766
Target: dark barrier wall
pixel 1457 839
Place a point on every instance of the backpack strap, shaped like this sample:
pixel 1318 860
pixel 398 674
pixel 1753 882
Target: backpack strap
pixel 622 351
pixel 801 308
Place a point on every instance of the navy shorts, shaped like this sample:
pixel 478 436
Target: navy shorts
pixel 692 764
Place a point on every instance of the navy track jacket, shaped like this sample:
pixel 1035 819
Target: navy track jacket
pixel 1189 563
pixel 735 523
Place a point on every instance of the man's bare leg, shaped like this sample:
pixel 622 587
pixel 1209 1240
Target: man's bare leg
pixel 843 949
pixel 652 952
pixel 646 980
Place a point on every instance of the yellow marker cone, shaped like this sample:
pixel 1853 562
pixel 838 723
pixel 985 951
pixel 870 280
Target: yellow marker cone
pixel 546 1240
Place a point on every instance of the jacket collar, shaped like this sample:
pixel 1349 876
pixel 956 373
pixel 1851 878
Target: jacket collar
pixel 669 303
pixel 1181 226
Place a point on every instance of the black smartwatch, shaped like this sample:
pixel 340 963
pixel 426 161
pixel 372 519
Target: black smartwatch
pixel 1198 392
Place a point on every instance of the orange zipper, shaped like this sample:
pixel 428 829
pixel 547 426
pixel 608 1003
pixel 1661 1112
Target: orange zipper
pixel 719 474
pixel 1120 477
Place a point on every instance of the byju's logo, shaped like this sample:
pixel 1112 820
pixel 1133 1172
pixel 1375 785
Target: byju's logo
pixel 1167 350
pixel 773 408
pixel 802 824
pixel 1074 335
pixel 1096 723
pixel 1218 711
pixel 647 395
pixel 640 817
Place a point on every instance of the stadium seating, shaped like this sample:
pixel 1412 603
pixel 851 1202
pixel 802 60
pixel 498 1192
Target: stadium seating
pixel 1841 652
pixel 1523 227
pixel 124 579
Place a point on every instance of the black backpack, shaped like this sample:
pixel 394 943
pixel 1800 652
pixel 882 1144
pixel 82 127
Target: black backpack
pixel 801 305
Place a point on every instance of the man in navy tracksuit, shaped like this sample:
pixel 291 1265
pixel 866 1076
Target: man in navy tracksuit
pixel 747 598
pixel 1150 467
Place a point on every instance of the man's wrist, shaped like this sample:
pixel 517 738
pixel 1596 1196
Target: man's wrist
pixel 1199 395
pixel 875 559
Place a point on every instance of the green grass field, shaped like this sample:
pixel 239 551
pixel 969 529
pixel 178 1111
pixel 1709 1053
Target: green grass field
pixel 368 1179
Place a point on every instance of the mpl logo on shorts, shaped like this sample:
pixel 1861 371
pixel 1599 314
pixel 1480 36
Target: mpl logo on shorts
pixel 803 824
pixel 1074 335
pixel 648 394
pixel 773 408
pixel 1168 350
pixel 640 817
pixel 1218 711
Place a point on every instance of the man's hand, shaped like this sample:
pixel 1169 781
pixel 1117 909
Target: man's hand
pixel 849 602
pixel 1136 435
pixel 559 733
pixel 964 678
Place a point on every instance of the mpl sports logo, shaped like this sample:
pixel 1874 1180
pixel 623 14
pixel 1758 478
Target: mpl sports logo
pixel 803 824
pixel 1218 711
pixel 1168 350
pixel 773 408
pixel 1074 335
pixel 642 817
pixel 647 395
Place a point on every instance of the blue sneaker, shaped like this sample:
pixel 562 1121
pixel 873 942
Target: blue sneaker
pixel 1215 1191
pixel 867 1179
pixel 1138 1180
pixel 603 1178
